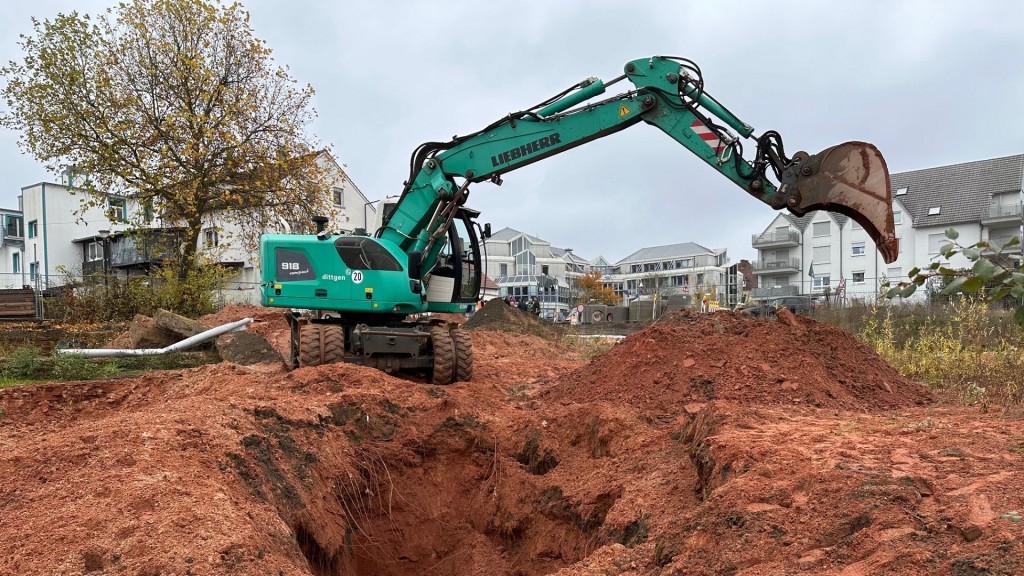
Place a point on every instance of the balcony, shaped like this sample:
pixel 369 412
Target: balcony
pixel 776 291
pixel 1001 215
pixel 11 235
pixel 783 266
pixel 999 241
pixel 777 239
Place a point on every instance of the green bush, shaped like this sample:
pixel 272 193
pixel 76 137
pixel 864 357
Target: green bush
pixel 99 299
pixel 23 362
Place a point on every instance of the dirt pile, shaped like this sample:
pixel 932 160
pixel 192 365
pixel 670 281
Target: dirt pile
pixel 690 358
pixel 529 469
pixel 497 315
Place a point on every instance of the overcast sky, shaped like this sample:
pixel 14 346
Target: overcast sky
pixel 928 82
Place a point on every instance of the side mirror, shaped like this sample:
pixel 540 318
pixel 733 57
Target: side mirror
pixel 415 264
pixel 487 230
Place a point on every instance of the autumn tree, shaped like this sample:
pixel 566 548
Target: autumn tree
pixel 175 104
pixel 593 290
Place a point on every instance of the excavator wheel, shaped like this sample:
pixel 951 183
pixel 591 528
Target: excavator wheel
pixel 444 355
pixel 321 344
pixel 463 354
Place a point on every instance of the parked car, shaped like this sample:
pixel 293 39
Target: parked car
pixel 796 304
pixel 768 308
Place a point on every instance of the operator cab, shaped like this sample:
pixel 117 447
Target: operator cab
pixel 456 274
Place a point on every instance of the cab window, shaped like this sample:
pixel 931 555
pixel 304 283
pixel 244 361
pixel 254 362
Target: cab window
pixel 361 253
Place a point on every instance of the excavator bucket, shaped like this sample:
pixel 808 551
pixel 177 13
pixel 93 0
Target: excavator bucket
pixel 850 179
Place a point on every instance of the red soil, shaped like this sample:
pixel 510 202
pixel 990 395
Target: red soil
pixel 701 445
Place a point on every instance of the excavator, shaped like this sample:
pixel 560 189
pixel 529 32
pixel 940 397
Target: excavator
pixel 363 295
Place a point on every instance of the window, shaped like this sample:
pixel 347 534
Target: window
pixel 897 217
pixel 210 239
pixel 901 191
pixel 93 251
pixel 700 279
pixel 115 209
pixel 858 277
pixel 338 195
pixel 13 228
pixel 544 269
pixel 821 229
pixel 856 225
pixel 16 263
pixel 936 242
pixel 503 269
pixel 858 248
pixel 359 253
pixel 821 254
pixel 894 274
pixel 33 228
pixel 934 210
pixel 33 270
pixel 820 282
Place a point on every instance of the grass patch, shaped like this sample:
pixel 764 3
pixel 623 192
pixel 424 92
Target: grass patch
pixel 25 366
pixel 966 352
pixel 587 348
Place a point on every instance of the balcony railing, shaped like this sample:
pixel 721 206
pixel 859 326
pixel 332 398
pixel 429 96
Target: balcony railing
pixel 775 238
pixel 775 291
pixel 1001 213
pixel 777 265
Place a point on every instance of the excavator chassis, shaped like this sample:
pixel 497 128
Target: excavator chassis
pixel 443 349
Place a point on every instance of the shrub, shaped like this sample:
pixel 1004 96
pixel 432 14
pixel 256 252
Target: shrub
pixel 963 351
pixel 95 299
pixel 23 362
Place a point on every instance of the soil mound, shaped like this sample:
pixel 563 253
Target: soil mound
pixel 689 358
pixel 497 315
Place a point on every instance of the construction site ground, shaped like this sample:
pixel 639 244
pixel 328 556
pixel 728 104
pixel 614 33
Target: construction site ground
pixel 702 444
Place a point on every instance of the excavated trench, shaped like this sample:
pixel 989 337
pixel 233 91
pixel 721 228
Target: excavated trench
pixel 362 499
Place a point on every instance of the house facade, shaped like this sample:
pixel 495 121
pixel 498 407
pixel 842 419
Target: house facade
pixel 58 232
pixel 825 252
pixel 12 249
pixel 526 266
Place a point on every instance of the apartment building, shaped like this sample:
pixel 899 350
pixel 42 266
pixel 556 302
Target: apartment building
pixel 524 265
pixel 822 251
pixel 12 249
pixel 56 232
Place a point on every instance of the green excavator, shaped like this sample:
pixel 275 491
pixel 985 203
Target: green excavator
pixel 359 293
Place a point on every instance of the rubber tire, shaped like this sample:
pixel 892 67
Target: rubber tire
pixel 334 343
pixel 320 344
pixel 444 356
pixel 463 354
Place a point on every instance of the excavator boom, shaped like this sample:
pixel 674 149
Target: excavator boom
pixel 850 178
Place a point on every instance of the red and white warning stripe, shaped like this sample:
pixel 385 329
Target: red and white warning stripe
pixel 708 136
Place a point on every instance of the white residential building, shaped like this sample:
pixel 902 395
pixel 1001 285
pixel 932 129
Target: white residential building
pixel 12 249
pixel 524 265
pixel 980 200
pixel 61 235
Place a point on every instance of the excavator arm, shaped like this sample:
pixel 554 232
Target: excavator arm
pixel 668 93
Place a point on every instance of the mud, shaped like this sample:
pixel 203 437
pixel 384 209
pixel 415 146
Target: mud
pixel 700 445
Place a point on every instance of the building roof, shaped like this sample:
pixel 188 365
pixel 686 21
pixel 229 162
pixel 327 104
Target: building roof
pixel 800 222
pixel 508 234
pixel 667 252
pixel 960 191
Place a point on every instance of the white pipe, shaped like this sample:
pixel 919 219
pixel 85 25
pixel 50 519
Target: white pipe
pixel 186 343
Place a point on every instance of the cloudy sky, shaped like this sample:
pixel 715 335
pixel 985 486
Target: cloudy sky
pixel 929 82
